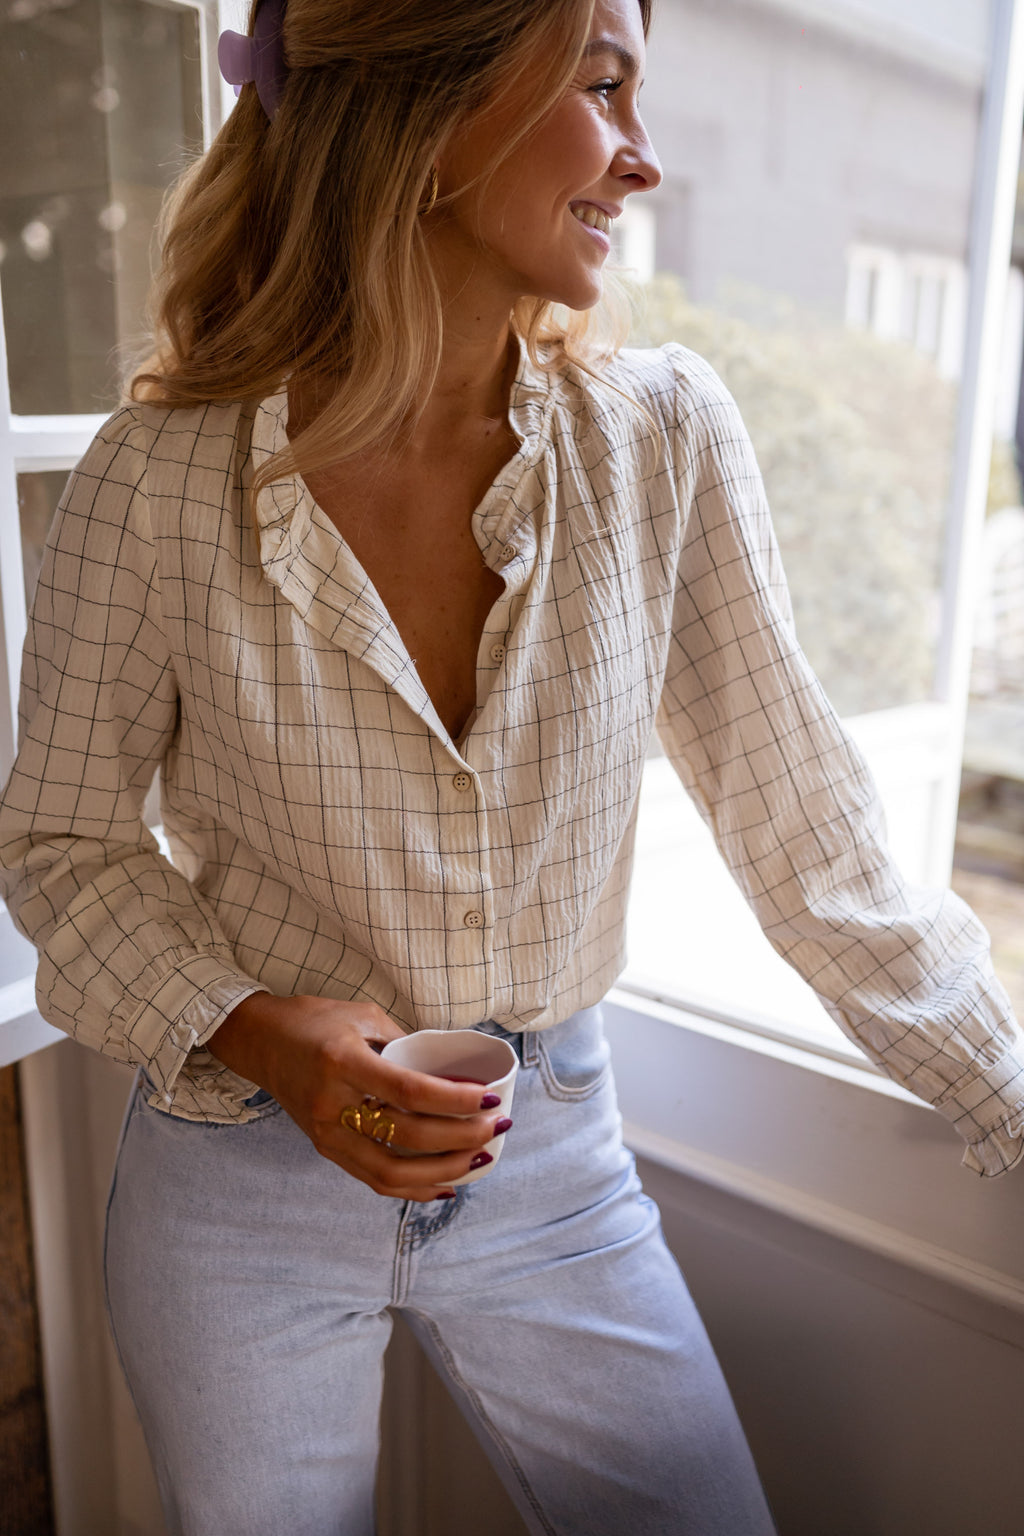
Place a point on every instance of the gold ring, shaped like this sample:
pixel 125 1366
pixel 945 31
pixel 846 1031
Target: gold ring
pixel 369 1119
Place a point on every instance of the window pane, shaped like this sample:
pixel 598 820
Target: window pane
pixel 811 241
pixel 38 495
pixel 814 223
pixel 99 103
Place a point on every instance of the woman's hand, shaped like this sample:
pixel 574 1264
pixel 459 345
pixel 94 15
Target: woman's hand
pixel 316 1056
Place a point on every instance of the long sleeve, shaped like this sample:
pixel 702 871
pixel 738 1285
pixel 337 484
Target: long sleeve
pixel 132 960
pixel 906 972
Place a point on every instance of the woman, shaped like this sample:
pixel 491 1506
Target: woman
pixel 400 703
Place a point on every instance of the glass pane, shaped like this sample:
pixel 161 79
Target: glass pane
pixel 811 242
pixel 812 237
pixel 99 104
pixel 38 495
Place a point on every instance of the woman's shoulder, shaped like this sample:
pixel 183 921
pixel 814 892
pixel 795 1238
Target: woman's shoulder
pixel 671 386
pixel 190 435
pixel 672 381
pixel 147 457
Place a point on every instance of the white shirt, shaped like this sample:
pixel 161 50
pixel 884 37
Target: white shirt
pixel 330 837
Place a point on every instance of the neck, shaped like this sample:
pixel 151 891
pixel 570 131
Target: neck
pixel 474 378
pixel 479 354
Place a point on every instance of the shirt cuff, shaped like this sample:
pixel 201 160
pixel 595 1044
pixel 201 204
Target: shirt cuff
pixel 167 1033
pixel 988 1115
pixel 1000 1151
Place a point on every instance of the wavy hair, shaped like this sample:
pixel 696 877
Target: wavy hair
pixel 293 248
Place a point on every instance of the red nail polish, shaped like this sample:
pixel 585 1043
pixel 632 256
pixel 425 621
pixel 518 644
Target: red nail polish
pixel 449 1194
pixel 502 1125
pixel 490 1101
pixel 481 1160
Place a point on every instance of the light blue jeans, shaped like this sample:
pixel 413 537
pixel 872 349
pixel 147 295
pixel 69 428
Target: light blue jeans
pixel 249 1283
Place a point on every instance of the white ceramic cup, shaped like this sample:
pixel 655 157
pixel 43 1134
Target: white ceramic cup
pixel 462 1054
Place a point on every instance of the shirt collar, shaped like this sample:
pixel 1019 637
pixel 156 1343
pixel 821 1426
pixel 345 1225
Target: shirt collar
pixel 529 412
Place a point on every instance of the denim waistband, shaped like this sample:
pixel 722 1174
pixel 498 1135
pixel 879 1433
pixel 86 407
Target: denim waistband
pixel 521 1039
pixel 513 1036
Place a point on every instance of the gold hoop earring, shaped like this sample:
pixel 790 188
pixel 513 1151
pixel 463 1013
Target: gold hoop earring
pixel 431 197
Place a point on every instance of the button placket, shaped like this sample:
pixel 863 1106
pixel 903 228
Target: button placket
pixel 468 864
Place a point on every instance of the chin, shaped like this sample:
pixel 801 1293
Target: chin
pixel 578 295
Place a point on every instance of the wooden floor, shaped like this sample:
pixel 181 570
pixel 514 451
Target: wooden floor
pixel 25 1501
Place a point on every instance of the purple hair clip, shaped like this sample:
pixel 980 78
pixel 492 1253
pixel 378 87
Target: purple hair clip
pixel 259 58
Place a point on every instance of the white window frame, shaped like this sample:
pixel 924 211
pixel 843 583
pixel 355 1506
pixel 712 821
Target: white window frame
pixel 879 284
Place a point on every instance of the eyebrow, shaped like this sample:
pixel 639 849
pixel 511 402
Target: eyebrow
pixel 628 62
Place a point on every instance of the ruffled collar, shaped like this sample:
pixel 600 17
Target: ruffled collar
pixel 305 557
pixel 531 401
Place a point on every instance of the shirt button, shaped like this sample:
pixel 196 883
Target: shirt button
pixel 497 653
pixel 509 552
pixel 474 919
pixel 462 781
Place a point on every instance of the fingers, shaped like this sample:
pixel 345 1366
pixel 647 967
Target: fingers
pixel 418 1093
pixel 426 1135
pixel 369 1140
pixel 418 1178
pixel 442 1133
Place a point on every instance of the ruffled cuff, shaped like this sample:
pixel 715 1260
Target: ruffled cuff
pixel 988 1113
pixel 1000 1151
pixel 167 1032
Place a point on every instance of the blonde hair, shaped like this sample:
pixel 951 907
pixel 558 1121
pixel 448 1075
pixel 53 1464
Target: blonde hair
pixel 293 249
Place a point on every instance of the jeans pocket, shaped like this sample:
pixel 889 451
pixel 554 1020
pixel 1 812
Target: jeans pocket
pixel 574 1057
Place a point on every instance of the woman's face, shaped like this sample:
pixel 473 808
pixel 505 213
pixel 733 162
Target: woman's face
pixel 540 224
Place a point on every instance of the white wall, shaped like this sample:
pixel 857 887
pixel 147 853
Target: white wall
pixel 877 1402
pixel 949 33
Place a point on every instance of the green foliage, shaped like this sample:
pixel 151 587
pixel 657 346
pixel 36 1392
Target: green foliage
pixel 854 437
pixel 1004 488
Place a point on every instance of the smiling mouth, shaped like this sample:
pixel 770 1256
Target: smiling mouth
pixel 588 214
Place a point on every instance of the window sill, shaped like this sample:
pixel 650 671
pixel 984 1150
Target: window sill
pixel 22 1029
pixel 830 1143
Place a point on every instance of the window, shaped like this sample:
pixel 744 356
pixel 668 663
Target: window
pixel 100 102
pixel 916 298
pixel 827 161
pixel 634 240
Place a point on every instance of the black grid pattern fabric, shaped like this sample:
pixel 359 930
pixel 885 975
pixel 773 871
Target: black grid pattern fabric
pixel 328 836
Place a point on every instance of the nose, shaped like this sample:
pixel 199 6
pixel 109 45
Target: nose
pixel 639 164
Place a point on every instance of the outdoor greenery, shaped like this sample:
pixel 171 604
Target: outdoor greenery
pixel 854 436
